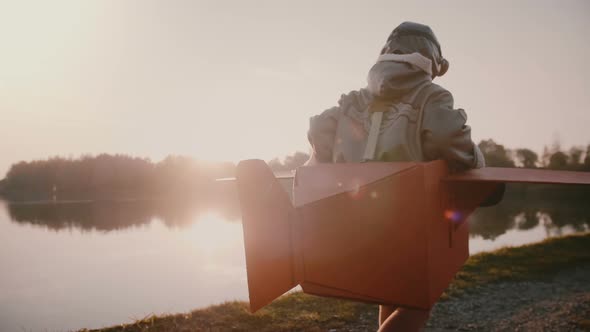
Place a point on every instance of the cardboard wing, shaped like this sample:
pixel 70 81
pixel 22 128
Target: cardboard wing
pixel 387 233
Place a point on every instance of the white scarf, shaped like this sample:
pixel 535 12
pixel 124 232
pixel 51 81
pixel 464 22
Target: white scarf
pixel 415 59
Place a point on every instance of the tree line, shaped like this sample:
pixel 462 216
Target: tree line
pixel 119 176
pixel 110 176
pixel 576 159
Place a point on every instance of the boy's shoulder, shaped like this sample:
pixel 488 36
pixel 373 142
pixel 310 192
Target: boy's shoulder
pixel 355 100
pixel 429 93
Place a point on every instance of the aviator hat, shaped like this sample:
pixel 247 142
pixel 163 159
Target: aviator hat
pixel 410 37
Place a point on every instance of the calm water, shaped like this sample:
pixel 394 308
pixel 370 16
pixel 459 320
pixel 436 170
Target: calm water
pixel 70 265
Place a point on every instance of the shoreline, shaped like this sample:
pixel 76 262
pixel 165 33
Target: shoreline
pixel 543 265
pixel 509 269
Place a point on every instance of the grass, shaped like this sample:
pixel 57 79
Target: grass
pixel 530 262
pixel 298 311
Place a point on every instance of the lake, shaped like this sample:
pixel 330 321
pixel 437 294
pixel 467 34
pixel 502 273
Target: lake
pixel 90 264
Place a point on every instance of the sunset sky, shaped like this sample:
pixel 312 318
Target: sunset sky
pixel 230 80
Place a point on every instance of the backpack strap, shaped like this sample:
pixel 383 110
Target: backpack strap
pixel 376 109
pixel 376 118
pixel 418 101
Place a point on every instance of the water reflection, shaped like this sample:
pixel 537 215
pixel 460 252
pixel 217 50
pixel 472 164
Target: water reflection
pixel 527 207
pixel 118 215
pixel 523 208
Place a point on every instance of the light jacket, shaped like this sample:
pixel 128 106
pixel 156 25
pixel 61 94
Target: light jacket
pixel 419 121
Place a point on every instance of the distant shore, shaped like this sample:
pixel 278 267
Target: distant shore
pixel 548 274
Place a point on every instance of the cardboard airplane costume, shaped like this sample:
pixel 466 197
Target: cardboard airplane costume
pixel 379 232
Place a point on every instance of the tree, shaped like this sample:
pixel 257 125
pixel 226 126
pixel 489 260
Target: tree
pixel 495 154
pixel 527 158
pixel 545 156
pixel 290 162
pixel 297 159
pixel 575 157
pixel 276 165
pixel 558 160
pixel 587 159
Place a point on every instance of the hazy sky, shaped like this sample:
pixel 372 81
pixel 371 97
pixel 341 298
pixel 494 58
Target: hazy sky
pixel 228 80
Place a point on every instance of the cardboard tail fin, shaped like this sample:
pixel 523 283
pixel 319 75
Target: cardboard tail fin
pixel 266 216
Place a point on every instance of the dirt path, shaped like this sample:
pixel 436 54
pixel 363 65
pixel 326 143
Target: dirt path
pixel 561 303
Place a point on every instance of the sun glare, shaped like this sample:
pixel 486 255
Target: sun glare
pixel 213 233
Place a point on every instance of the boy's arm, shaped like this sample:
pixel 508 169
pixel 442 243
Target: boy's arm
pixel 446 136
pixel 322 130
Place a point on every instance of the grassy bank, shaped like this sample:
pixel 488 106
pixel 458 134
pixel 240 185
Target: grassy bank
pixel 299 311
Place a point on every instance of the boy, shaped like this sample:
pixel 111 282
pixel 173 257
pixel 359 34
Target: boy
pixel 400 116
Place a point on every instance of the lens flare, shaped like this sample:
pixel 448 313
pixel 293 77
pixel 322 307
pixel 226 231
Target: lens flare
pixel 356 191
pixel 454 216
